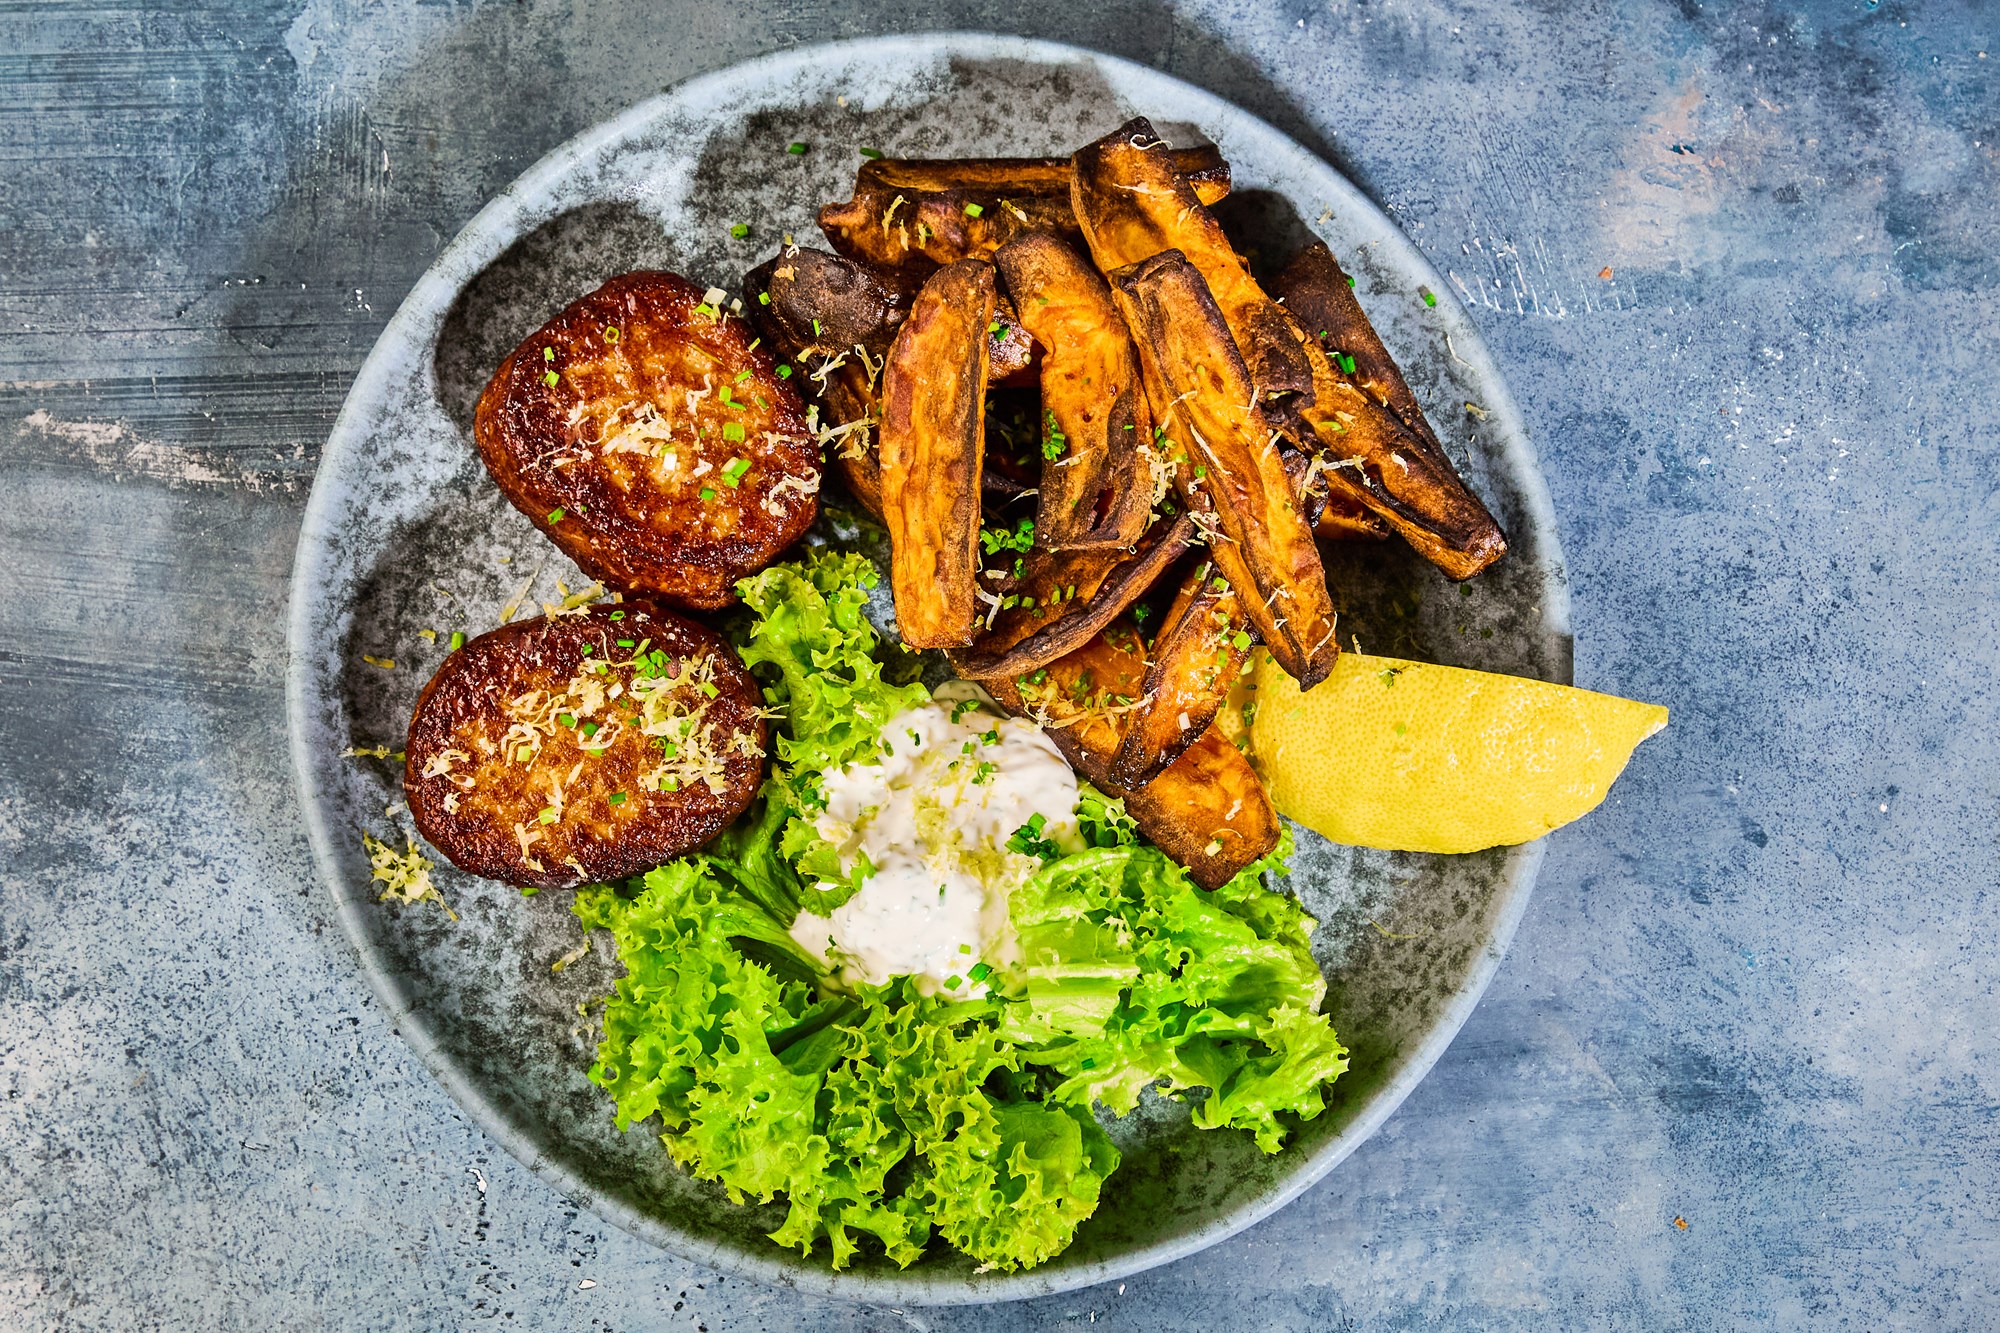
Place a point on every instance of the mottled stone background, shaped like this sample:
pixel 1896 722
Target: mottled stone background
pixel 1739 263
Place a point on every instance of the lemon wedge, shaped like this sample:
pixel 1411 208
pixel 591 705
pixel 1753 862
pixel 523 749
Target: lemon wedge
pixel 1410 756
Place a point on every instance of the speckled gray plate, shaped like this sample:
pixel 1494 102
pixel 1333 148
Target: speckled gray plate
pixel 405 532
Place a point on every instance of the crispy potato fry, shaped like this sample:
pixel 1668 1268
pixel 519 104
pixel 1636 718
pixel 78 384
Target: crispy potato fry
pixel 1369 423
pixel 1199 652
pixel 933 449
pixel 1201 393
pixel 1132 206
pixel 914 214
pixel 1064 599
pixel 1097 487
pixel 1207 810
pixel 833 320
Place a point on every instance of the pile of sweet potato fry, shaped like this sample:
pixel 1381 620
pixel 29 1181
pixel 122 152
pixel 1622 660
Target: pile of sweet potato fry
pixel 1188 429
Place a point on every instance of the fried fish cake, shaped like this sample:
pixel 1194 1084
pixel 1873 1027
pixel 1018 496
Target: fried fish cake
pixel 583 747
pixel 644 432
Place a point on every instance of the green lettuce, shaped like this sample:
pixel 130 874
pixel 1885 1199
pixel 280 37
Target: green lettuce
pixel 888 1115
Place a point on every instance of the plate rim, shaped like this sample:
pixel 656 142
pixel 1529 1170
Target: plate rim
pixel 484 237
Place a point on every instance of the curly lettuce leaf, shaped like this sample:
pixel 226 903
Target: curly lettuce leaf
pixel 821 660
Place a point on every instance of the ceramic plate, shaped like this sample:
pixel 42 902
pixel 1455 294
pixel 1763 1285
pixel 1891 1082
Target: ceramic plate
pixel 405 532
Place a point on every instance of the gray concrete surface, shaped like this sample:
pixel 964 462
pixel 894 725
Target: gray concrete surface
pixel 1739 264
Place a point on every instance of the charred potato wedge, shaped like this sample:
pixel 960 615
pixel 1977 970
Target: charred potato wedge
pixel 1201 393
pixel 1370 456
pixel 1342 518
pixel 916 215
pixel 1131 206
pixel 1010 350
pixel 1208 810
pixel 933 450
pixel 584 747
pixel 646 437
pixel 1063 600
pixel 1199 652
pixel 832 320
pixel 1097 475
pixel 1403 475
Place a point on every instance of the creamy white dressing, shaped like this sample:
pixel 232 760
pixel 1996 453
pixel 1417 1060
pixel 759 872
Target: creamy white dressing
pixel 932 815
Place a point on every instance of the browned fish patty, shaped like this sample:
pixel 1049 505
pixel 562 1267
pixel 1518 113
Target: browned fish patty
pixel 647 436
pixel 584 747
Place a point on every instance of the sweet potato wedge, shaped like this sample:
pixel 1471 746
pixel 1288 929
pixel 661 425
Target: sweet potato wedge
pixel 1207 810
pixel 1131 206
pixel 1369 455
pixel 933 450
pixel 832 320
pixel 1062 600
pixel 1342 518
pixel 1201 393
pixel 1200 650
pixel 1369 415
pixel 523 765
pixel 648 437
pixel 1097 486
pixel 915 214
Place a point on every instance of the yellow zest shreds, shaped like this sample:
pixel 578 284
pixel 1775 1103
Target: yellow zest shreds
pixel 663 699
pixel 572 956
pixel 637 427
pixel 406 876
pixel 573 603
pixel 371 752
pixel 386 663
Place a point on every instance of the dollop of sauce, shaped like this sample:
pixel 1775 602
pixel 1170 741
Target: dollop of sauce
pixel 933 815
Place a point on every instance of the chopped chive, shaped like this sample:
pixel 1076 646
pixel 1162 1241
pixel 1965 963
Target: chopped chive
pixel 732 431
pixel 616 798
pixel 797 150
pixel 784 372
pixel 457 639
pixel 740 230
pixel 708 492
pixel 733 471
pixel 816 329
pixel 624 643
pixel 973 210
pixel 522 754
pixel 763 298
pixel 1346 364
pixel 548 815
pixel 548 354
pixel 588 729
pixel 617 615
pixel 555 515
pixel 567 719
pixel 1242 640
pixel 1430 297
pixel 1350 279
pixel 871 152
pixel 611 333
pixel 980 972
pixel 589 648
pixel 550 378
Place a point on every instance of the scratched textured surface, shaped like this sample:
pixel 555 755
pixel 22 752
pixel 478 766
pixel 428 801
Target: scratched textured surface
pixel 1754 992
